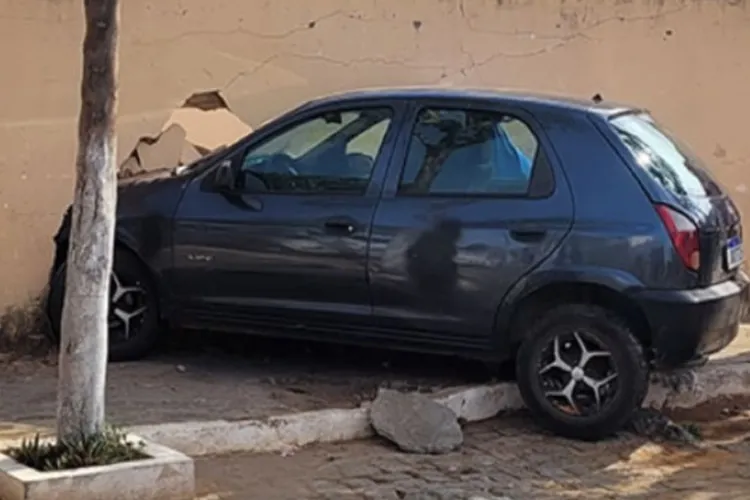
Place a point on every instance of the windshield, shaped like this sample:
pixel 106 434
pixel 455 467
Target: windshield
pixel 668 162
pixel 301 139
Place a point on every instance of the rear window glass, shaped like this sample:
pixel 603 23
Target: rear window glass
pixel 667 161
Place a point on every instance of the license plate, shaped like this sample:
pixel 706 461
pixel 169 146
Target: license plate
pixel 734 252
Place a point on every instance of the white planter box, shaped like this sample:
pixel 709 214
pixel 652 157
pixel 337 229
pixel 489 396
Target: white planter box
pixel 166 475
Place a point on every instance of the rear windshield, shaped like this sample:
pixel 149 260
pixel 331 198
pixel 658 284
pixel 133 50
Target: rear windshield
pixel 667 161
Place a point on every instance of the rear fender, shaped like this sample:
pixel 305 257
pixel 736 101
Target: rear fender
pixel 613 280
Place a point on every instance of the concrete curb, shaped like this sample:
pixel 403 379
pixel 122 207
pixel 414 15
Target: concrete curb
pixel 278 434
pixel 678 390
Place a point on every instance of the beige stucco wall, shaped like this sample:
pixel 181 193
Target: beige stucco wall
pixel 687 60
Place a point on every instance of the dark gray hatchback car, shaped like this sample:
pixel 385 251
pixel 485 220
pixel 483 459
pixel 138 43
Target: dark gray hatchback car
pixel 578 238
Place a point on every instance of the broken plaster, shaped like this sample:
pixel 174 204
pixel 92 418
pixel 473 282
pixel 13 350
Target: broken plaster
pixel 203 123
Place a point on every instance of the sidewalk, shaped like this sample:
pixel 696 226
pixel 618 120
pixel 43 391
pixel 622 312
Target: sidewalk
pixel 231 378
pixel 237 378
pixel 501 457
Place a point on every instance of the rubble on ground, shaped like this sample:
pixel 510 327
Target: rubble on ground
pixel 415 423
pixel 652 424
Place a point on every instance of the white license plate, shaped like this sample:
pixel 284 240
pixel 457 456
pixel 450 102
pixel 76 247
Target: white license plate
pixel 735 254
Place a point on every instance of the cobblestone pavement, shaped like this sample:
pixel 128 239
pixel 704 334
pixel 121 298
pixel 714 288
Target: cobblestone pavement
pixel 504 457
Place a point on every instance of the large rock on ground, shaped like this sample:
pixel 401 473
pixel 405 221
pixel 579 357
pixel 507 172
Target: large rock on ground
pixel 415 423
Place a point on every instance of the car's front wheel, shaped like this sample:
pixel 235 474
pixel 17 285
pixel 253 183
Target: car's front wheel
pixel 581 371
pixel 133 314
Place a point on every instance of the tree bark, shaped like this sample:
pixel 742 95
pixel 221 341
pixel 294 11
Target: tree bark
pixel 84 328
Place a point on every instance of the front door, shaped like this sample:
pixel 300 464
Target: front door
pixel 287 247
pixel 470 206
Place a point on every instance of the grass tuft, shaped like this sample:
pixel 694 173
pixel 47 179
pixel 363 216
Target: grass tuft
pixel 109 447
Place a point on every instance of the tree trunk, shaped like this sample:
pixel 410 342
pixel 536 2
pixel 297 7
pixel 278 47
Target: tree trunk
pixel 84 328
pixel 434 159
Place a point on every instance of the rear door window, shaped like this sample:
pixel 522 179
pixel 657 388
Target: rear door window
pixel 666 160
pixel 459 152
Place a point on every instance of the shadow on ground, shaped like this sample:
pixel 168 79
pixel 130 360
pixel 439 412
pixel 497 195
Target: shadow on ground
pixel 313 358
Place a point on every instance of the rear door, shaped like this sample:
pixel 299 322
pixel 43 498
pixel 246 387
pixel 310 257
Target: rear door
pixel 674 176
pixel 472 202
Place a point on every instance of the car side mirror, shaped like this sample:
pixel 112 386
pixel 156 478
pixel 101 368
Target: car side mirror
pixel 225 178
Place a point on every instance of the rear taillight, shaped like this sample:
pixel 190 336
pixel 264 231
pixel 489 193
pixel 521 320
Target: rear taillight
pixel 684 235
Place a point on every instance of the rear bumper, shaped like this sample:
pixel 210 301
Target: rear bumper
pixel 690 324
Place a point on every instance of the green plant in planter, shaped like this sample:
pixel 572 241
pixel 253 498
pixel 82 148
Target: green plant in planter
pixel 109 447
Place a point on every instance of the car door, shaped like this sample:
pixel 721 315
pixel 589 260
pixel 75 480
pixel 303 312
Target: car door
pixel 287 246
pixel 472 202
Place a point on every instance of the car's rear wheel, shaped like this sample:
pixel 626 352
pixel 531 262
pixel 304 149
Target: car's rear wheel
pixel 133 314
pixel 581 371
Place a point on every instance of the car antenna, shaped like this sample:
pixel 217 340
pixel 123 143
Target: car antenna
pixel 597 98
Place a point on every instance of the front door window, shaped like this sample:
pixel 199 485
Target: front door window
pixel 334 152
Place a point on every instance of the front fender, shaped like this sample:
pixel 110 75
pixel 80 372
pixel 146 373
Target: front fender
pixel 62 238
pixel 122 237
pixel 146 204
pixel 150 252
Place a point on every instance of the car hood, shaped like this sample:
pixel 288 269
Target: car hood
pixel 150 194
pixel 148 176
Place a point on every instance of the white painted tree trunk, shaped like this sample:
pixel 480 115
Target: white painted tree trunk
pixel 84 330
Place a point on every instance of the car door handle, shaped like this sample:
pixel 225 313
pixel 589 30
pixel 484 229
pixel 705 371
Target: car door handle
pixel 343 224
pixel 252 202
pixel 528 235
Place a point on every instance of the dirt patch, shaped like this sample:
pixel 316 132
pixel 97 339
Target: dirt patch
pixel 730 429
pixel 224 377
pixel 206 376
pixel 717 409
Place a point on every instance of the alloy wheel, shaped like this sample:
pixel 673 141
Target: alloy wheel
pixel 127 308
pixel 577 374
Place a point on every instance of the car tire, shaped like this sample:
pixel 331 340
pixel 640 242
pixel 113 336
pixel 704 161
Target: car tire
pixel 607 388
pixel 142 329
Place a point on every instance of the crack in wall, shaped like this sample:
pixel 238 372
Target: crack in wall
pixel 560 41
pixel 445 71
pixel 354 16
pixel 242 31
pixel 328 60
pixel 587 27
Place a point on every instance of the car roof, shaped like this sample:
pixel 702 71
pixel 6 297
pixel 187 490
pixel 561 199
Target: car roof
pixel 510 97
